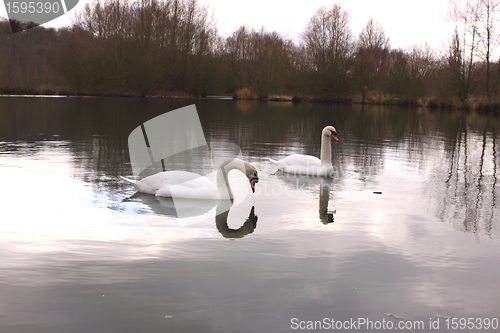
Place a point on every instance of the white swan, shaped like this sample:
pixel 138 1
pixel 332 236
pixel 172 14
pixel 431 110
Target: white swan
pixel 306 165
pixel 184 184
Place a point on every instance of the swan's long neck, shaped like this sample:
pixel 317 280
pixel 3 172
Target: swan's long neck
pixel 223 187
pixel 326 150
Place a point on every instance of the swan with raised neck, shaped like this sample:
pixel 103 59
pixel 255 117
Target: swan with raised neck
pixel 327 134
pixel 306 165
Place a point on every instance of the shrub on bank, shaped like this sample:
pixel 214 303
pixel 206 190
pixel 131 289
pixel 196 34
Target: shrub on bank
pixel 244 93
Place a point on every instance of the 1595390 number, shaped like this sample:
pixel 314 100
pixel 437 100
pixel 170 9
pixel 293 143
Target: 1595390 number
pixel 32 7
pixel 471 323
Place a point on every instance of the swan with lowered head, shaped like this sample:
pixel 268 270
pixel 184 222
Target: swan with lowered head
pixel 184 184
pixel 306 165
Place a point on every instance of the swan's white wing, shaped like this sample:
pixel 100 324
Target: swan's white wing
pixel 304 165
pixel 194 188
pixel 179 184
pixel 298 160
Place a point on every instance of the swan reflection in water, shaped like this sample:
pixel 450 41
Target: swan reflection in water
pixel 196 207
pixel 247 228
pixel 325 215
pixel 306 186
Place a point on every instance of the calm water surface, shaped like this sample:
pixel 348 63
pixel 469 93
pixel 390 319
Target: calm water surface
pixel 81 252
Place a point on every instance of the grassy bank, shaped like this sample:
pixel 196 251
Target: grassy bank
pixel 473 103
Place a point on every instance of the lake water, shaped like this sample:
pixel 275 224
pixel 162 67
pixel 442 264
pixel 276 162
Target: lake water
pixel 415 239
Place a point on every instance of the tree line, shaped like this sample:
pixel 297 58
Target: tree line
pixel 173 48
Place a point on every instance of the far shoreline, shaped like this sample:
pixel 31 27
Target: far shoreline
pixel 429 103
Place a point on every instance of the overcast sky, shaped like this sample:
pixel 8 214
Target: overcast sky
pixel 405 22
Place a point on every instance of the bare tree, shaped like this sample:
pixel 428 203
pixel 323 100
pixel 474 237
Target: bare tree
pixel 261 60
pixel 144 46
pixel 371 58
pixel 488 12
pixel 409 73
pixel 463 50
pixel 235 56
pixel 28 61
pixel 330 46
pixel 269 57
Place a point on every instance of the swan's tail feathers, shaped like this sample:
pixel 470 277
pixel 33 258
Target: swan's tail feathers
pixel 276 164
pixel 133 182
pixel 128 180
pixel 273 161
pixel 140 186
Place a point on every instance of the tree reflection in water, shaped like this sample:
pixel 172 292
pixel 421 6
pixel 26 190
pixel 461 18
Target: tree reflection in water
pixel 465 181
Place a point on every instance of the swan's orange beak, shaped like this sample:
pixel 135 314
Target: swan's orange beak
pixel 334 135
pixel 253 181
